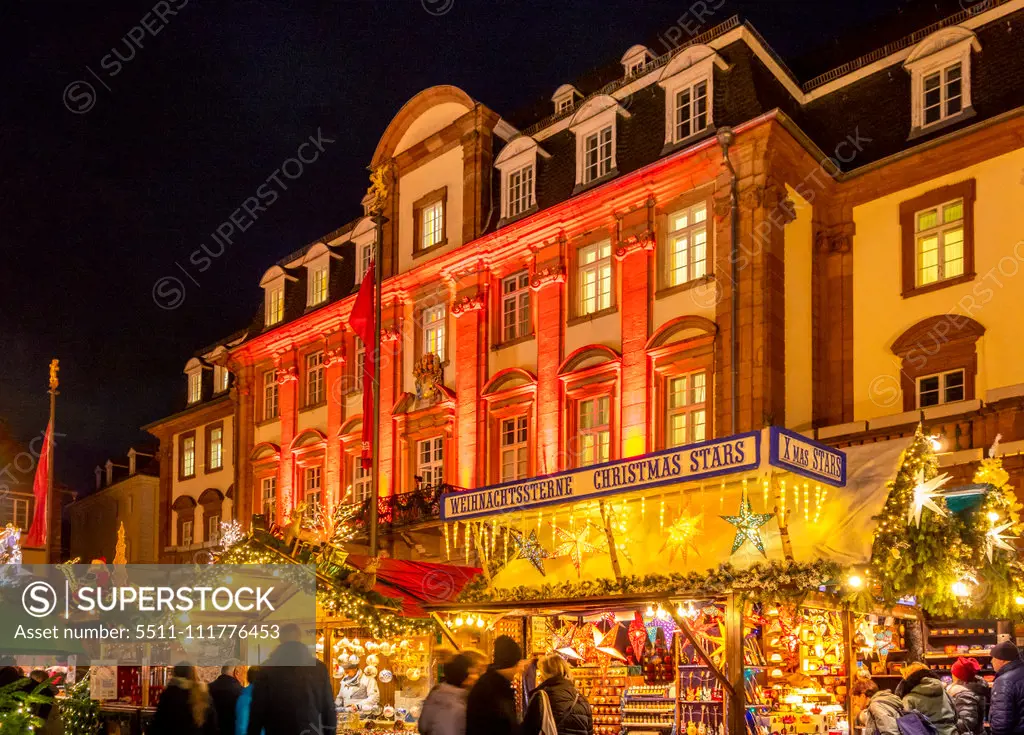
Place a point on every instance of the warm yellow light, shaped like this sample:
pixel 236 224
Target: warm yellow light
pixel 479 622
pixel 458 622
pixel 936 441
pixel 650 611
pixel 1019 600
pixel 855 581
pixel 680 612
pixel 993 516
pixel 960 589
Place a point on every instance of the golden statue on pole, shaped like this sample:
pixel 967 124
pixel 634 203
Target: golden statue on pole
pixel 54 369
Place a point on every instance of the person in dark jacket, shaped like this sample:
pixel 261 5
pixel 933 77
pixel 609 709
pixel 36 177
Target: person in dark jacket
pixel 225 691
pixel 970 695
pixel 922 690
pixel 491 707
pixel 293 695
pixel 569 710
pixel 9 671
pixel 1006 712
pixel 185 707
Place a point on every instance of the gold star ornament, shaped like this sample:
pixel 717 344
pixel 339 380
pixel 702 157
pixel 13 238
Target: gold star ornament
pixel 681 535
pixel 574 544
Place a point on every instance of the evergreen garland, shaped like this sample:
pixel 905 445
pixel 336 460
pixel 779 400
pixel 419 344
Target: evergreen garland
pixel 17 707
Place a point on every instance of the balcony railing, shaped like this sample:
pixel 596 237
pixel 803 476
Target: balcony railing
pixel 406 509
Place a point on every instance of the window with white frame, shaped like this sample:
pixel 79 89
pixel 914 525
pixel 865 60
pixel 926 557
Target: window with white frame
pixel 357 366
pixel 275 305
pixel 216 448
pixel 636 67
pixel 20 508
pixel 686 407
pixel 942 94
pixel 597 154
pixel 195 386
pixel 318 285
pixel 431 224
pixel 595 277
pixel 433 330
pixel 691 110
pixel 268 496
pixel 213 529
pixel 515 433
pixel 361 481
pixel 365 256
pixel 519 190
pixel 940 69
pixel 430 461
pixel 939 242
pixel 934 390
pixel 313 486
pixel 563 105
pixel 186 533
pixel 315 388
pixel 687 250
pixel 270 395
pixel 593 431
pixel 221 378
pixel 515 306
pixel 188 457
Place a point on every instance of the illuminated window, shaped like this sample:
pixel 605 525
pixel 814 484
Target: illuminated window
pixel 430 461
pixel 934 390
pixel 594 431
pixel 520 190
pixel 514 448
pixel 939 238
pixel 220 378
pixel 597 154
pixel 687 408
pixel 432 224
pixel 19 513
pixel 595 277
pixel 213 529
pixel 688 244
pixel 270 395
pixel 515 306
pixel 313 490
pixel 318 286
pixel 691 110
pixel 275 305
pixel 186 533
pixel 315 388
pixel 268 496
pixel 195 386
pixel 361 481
pixel 433 331
pixel 365 256
pixel 357 366
pixel 188 456
pixel 942 94
pixel 216 448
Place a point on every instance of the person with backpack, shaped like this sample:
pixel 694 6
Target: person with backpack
pixel 921 691
pixel 556 707
pixel 970 694
pixel 1006 713
pixel 883 709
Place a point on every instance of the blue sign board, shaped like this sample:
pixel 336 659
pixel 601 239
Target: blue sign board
pixel 802 456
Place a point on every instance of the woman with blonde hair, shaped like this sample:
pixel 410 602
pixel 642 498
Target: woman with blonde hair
pixel 185 707
pixel 556 707
pixel 921 691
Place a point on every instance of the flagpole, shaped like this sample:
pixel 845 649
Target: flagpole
pixel 378 272
pixel 54 383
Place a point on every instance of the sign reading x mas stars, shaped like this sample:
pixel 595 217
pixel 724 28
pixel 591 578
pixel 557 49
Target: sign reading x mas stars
pixel 747 524
pixel 528 548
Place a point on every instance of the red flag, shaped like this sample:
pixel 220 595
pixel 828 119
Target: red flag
pixel 40 488
pixel 363 323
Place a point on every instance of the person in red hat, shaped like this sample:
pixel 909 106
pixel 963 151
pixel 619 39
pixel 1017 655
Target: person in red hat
pixel 970 695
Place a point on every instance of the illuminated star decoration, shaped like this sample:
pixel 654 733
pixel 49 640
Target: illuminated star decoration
pixel 528 548
pixel 668 629
pixel 994 539
pixel 562 641
pixel 575 545
pixel 681 535
pixel 924 492
pixel 747 524
pixel 637 637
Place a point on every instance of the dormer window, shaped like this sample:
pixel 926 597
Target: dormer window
pixel 220 379
pixel 275 305
pixel 635 60
pixel 940 79
pixel 688 81
pixel 195 386
pixel 594 126
pixel 517 162
pixel 365 256
pixel 565 98
pixel 317 284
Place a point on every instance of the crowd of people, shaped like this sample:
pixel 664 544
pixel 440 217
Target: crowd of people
pixel 922 704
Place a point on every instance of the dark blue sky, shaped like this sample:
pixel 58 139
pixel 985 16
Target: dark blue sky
pixel 96 207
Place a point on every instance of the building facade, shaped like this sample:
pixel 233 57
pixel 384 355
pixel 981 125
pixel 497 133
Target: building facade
pixel 690 245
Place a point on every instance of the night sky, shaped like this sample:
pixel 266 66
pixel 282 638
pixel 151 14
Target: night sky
pixel 105 190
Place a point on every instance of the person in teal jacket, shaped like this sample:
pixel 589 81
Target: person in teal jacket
pixel 245 702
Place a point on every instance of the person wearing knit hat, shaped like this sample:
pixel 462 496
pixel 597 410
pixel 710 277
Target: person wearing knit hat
pixel 491 708
pixel 970 694
pixel 1006 712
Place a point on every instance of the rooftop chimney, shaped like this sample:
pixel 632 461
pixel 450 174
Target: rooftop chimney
pixel 131 461
pixel 99 477
pixel 110 471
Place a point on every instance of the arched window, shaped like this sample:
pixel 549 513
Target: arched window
pixel 938 360
pixel 590 379
pixel 681 358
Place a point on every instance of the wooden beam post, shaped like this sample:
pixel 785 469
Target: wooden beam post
pixel 736 700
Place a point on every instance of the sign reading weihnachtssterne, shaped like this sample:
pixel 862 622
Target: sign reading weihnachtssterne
pixel 693 462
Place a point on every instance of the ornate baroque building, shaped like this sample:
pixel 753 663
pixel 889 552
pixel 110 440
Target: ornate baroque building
pixel 616 274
